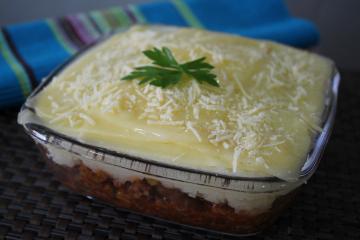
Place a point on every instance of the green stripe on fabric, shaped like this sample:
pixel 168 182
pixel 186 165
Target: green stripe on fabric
pixel 88 25
pixel 137 13
pixel 114 24
pixel 59 37
pixel 101 21
pixel 187 14
pixel 121 17
pixel 15 66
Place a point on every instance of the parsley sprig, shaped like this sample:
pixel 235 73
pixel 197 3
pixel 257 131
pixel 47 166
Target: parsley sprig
pixel 167 71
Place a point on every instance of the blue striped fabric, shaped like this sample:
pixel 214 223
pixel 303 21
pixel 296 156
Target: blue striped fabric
pixel 169 13
pixel 30 51
pixel 38 46
pixel 10 90
pixel 261 19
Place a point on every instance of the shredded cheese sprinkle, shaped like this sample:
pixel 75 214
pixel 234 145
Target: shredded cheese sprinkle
pixel 261 119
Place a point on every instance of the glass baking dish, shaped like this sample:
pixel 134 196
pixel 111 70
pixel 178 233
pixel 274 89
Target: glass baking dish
pixel 192 197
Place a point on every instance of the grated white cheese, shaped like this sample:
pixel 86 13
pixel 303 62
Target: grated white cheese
pixel 262 87
pixel 190 127
pixel 236 155
pixel 87 119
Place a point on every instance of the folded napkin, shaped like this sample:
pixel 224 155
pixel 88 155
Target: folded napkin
pixel 30 51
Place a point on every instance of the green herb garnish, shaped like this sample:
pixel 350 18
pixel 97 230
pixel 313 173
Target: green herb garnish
pixel 169 72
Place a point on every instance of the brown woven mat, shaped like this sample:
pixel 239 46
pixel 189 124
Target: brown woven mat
pixel 35 206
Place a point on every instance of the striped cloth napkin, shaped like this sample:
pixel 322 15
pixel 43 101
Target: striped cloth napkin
pixel 30 51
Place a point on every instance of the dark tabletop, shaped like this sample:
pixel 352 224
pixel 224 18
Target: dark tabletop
pixel 33 205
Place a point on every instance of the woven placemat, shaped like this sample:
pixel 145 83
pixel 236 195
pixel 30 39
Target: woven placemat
pixel 33 205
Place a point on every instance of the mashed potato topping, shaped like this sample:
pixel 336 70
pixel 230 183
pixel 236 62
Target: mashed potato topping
pixel 260 121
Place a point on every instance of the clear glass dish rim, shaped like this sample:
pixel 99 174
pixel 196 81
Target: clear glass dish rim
pixel 309 167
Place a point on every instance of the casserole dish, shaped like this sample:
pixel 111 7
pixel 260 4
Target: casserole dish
pixel 239 203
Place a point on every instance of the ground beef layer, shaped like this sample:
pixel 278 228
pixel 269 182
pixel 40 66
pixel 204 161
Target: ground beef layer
pixel 148 196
